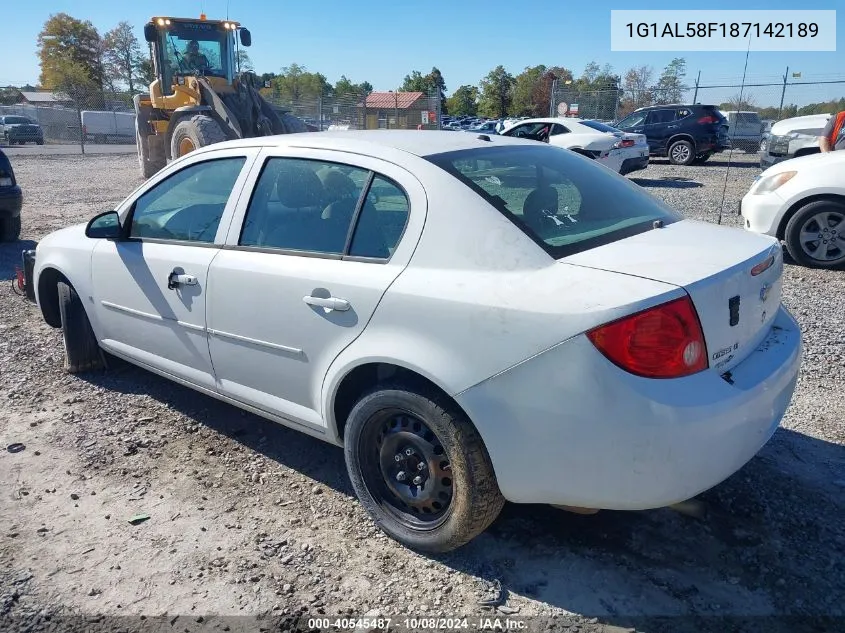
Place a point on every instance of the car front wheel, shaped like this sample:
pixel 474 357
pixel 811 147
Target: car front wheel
pixel 815 235
pixel 82 352
pixel 420 468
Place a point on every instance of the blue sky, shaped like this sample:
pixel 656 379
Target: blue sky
pixel 381 41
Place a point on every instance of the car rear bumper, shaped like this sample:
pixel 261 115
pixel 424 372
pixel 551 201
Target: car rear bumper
pixel 570 428
pixel 11 201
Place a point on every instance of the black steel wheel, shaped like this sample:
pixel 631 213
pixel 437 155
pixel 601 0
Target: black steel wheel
pixel 420 468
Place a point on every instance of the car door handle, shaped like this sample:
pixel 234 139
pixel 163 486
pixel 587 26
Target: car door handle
pixel 181 279
pixel 331 303
pixel 671 127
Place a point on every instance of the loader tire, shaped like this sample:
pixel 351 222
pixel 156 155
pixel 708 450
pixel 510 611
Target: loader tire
pixel 195 132
pixel 150 156
pixel 292 124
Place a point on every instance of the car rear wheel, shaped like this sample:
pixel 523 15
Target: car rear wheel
pixel 82 352
pixel 10 229
pixel 420 468
pixel 815 235
pixel 681 153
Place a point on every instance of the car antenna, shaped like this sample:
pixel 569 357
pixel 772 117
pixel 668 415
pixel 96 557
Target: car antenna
pixel 731 151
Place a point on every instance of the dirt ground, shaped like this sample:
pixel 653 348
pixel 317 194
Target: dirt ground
pixel 247 518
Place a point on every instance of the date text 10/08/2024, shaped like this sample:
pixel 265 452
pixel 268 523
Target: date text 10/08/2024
pixel 491 623
pixel 723 29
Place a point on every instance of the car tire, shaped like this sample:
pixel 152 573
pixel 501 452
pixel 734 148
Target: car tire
pixel 10 229
pixel 681 153
pixel 447 510
pixel 82 352
pixel 815 218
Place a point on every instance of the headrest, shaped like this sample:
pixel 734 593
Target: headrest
pixel 298 187
pixel 336 183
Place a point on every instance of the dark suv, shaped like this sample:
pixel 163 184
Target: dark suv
pixel 687 134
pixel 10 202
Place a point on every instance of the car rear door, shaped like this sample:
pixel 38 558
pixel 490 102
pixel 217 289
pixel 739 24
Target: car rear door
pixel 150 287
pixel 309 255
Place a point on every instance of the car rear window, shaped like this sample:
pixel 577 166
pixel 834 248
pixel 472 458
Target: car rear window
pixel 563 201
pixel 601 127
pixel 16 120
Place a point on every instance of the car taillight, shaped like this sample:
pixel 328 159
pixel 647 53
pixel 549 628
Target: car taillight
pixel 665 341
pixel 623 143
pixel 708 119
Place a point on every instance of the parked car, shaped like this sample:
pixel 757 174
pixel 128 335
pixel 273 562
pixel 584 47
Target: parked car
pixel 20 130
pixel 11 201
pixel 802 201
pixel 488 127
pixel 555 334
pixel 621 152
pixel 108 127
pixel 745 130
pixel 794 137
pixel 687 134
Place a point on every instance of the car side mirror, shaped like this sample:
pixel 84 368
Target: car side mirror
pixel 104 226
pixel 150 32
pixel 246 37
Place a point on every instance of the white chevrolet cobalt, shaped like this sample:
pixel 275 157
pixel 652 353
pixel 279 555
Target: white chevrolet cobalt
pixel 473 318
pixel 802 201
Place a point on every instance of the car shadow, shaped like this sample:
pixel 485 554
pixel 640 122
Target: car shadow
pixel 717 162
pixel 762 547
pixel 674 182
pixel 10 257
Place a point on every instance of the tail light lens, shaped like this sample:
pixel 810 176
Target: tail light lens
pixel 662 342
pixel 623 143
pixel 708 119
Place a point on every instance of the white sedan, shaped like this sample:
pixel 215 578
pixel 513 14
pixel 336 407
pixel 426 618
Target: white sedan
pixel 802 201
pixel 472 318
pixel 620 151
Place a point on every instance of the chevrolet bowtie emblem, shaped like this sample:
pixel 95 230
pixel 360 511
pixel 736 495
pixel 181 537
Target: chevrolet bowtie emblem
pixel 764 292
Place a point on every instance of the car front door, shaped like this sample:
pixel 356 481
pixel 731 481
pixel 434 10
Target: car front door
pixel 150 287
pixel 322 237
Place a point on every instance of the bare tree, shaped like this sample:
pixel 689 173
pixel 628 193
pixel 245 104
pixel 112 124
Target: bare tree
pixel 637 85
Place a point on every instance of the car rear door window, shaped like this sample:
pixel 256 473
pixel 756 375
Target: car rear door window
pixel 188 205
pixel 557 128
pixel 381 221
pixel 664 115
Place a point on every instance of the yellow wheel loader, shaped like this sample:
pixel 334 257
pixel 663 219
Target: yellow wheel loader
pixel 199 97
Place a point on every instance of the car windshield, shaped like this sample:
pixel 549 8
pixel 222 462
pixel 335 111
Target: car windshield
pixel 601 127
pixel 16 120
pixel 563 201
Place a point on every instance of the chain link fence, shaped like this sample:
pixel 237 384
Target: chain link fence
pixel 362 111
pixel 772 100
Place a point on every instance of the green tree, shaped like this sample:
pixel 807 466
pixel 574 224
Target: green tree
pixel 146 71
pixel 122 56
pixel 525 92
pixel 67 43
pixel 345 89
pixel 496 93
pixel 670 85
pixel 432 83
pixel 463 101
pixel 295 84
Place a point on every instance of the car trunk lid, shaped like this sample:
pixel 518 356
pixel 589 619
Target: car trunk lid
pixel 733 277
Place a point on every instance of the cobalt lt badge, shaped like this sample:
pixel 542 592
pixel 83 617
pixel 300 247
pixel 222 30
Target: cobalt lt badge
pixel 764 292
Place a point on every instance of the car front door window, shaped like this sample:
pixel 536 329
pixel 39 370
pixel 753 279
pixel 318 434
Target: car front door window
pixel 632 121
pixel 188 205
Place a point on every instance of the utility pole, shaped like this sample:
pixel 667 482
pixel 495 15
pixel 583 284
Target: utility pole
pixel 783 91
pixel 695 94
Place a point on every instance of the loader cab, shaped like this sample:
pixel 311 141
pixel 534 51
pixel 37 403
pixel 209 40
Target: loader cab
pixel 182 48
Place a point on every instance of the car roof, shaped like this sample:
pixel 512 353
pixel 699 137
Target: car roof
pixel 417 142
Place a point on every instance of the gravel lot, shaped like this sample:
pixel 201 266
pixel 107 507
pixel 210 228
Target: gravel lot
pixel 249 518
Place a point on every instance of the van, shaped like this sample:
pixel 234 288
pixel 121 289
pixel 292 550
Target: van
pixel 108 127
pixel 745 130
pixel 793 137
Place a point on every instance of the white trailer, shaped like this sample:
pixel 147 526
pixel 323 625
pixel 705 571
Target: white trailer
pixel 108 127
